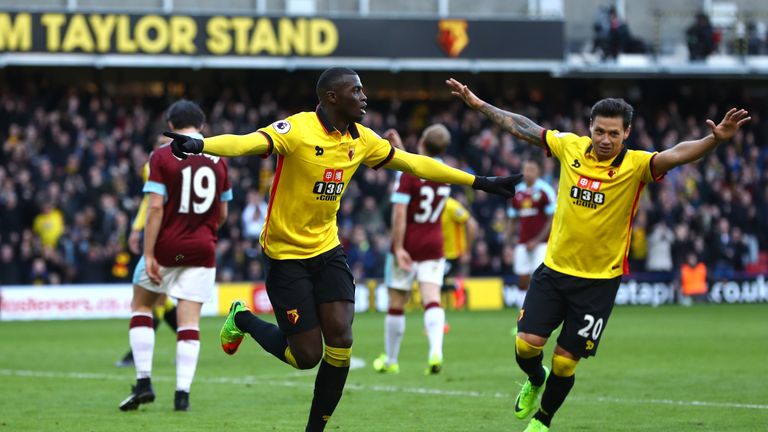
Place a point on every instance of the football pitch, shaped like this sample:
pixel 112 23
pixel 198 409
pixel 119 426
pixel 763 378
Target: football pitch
pixel 702 368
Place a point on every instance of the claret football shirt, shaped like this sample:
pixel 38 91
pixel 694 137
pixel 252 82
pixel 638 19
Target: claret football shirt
pixel 193 189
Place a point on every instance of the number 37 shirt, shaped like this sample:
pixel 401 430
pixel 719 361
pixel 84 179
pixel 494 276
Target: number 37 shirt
pixel 193 190
pixel 596 202
pixel 423 227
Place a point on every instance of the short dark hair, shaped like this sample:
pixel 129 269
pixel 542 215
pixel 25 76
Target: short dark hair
pixel 613 107
pixel 184 114
pixel 328 79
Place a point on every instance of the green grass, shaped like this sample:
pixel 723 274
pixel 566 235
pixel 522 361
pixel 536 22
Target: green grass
pixel 666 369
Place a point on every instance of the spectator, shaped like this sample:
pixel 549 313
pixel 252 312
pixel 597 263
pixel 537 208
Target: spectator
pixel 693 280
pixel 740 257
pixel 638 244
pixel 254 214
pixel 49 224
pixel 758 37
pixel 10 274
pixel 700 37
pixel 660 248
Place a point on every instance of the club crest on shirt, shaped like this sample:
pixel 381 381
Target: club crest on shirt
pixel 281 126
pixel 179 257
pixel 293 315
pixel 351 153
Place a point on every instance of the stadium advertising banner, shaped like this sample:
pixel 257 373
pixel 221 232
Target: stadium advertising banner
pixel 64 302
pixel 640 292
pixel 188 35
pixel 55 302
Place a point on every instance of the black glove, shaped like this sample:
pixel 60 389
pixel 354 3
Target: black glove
pixel 504 186
pixel 183 144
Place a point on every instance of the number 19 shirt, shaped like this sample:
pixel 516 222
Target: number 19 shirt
pixel 596 202
pixel 193 190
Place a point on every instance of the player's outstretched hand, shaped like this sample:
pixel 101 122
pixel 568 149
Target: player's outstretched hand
pixel 464 93
pixel 504 186
pixel 183 144
pixel 733 120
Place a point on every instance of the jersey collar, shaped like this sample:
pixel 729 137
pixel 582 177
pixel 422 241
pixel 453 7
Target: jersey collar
pixel 617 160
pixel 330 128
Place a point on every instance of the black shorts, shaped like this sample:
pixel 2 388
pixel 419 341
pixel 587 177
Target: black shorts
pixel 296 286
pixel 452 267
pixel 581 305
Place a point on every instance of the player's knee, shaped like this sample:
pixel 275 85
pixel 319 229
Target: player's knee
pixel 306 357
pixel 563 366
pixel 526 350
pixel 338 357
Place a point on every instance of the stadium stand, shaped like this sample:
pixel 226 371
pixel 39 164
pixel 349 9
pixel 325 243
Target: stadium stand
pixel 72 155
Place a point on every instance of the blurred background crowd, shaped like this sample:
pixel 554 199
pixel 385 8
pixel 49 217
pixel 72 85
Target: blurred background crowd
pixel 72 157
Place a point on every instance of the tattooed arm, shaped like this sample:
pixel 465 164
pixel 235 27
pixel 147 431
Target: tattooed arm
pixel 520 126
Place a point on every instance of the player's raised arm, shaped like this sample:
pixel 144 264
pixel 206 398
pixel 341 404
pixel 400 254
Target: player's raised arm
pixel 430 169
pixel 689 151
pixel 518 125
pixel 227 145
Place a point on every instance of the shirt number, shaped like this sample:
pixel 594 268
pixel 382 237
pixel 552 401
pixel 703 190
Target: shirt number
pixel 431 210
pixel 202 184
pixel 595 326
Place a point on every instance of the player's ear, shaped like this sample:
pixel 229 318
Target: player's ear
pixel 170 125
pixel 330 96
pixel 627 131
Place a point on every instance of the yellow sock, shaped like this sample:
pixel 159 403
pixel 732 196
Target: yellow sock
pixel 339 357
pixel 526 350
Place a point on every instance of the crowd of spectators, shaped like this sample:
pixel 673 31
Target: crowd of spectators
pixel 71 163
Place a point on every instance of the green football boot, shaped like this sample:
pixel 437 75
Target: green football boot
pixel 231 336
pixel 380 365
pixel 434 366
pixel 536 426
pixel 528 397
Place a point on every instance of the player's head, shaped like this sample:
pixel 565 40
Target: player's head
pixel 339 90
pixel 609 124
pixel 184 114
pixel 434 140
pixel 531 171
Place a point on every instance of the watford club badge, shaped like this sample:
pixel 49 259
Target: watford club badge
pixel 351 153
pixel 293 316
pixel 452 36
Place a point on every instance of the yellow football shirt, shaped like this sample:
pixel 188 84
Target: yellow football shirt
pixel 454 220
pixel 314 165
pixel 596 202
pixel 141 215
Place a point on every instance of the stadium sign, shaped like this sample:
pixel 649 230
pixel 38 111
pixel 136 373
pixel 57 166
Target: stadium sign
pixel 640 292
pixel 90 36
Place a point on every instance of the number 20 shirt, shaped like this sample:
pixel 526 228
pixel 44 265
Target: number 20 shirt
pixel 596 202
pixel 193 190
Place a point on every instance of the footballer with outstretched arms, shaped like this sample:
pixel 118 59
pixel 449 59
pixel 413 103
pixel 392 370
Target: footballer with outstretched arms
pixel 308 281
pixel 576 286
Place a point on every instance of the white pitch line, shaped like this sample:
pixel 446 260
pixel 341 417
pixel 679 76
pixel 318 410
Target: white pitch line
pixel 251 379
